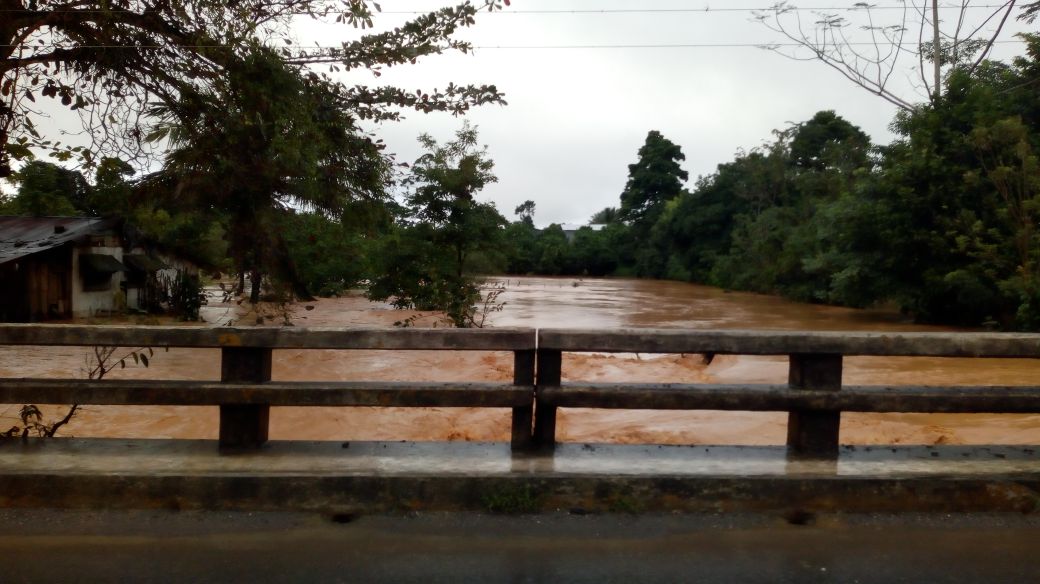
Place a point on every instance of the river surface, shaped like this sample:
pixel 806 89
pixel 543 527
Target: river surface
pixel 557 303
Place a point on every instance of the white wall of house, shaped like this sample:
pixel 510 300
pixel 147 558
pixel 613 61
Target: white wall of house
pixel 91 303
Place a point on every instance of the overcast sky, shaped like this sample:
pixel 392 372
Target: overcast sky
pixel 577 116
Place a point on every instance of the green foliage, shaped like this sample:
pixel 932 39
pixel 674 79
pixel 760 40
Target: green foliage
pixel 591 252
pixel 265 139
pixel 49 190
pixel 525 211
pixel 332 256
pixel 943 222
pixel 424 262
pixel 605 215
pixel 653 180
pixel 828 140
pixel 553 251
pixel 183 293
pixel 521 253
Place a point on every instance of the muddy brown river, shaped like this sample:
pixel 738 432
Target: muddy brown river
pixel 556 302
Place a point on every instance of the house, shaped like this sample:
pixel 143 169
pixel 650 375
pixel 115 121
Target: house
pixel 72 267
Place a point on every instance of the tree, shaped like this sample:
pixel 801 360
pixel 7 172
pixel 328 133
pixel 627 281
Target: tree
pixel 525 211
pixel 445 181
pixel 444 226
pixel 48 190
pixel 554 257
pixel 264 139
pixel 108 60
pixel 828 140
pixel 521 249
pixel 332 256
pixel 591 253
pixel 871 60
pixel 604 216
pixel 653 180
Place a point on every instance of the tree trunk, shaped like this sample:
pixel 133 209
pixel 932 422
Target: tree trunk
pixel 254 285
pixel 936 51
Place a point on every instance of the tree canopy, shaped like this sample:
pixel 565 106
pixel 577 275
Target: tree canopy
pixel 653 180
pixel 108 60
pixel 261 140
pixel 425 264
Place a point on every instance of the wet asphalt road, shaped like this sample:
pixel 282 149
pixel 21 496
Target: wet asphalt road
pixel 157 546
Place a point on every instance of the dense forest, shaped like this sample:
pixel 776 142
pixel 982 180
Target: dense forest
pixel 942 222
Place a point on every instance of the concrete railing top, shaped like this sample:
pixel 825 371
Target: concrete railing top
pixel 761 342
pixel 499 339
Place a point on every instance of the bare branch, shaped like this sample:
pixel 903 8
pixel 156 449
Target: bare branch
pixel 993 38
pixel 836 42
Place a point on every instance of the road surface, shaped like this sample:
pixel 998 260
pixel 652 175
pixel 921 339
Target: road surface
pixel 160 546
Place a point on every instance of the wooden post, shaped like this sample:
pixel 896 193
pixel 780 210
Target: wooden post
pixel 811 433
pixel 549 372
pixel 244 425
pixel 523 374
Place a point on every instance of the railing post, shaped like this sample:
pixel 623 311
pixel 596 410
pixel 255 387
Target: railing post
pixel 814 433
pixel 244 425
pixel 523 375
pixel 549 372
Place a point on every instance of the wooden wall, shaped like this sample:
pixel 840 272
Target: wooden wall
pixel 37 287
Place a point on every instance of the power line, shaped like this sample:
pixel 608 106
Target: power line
pixel 706 9
pixel 509 47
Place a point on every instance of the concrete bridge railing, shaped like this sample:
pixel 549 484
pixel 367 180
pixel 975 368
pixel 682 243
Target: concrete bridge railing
pixel 245 392
pixel 814 395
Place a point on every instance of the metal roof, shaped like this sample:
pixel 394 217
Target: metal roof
pixel 23 236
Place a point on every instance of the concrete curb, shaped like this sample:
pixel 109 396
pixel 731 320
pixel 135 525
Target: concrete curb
pixel 592 494
pixel 392 477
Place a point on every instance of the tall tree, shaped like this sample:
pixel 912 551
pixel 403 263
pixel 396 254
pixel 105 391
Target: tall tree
pixel 653 180
pixel 109 59
pixel 525 211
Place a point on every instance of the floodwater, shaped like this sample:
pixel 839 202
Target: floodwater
pixel 558 303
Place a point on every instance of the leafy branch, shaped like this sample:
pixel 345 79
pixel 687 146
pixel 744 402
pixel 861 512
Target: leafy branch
pixel 100 361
